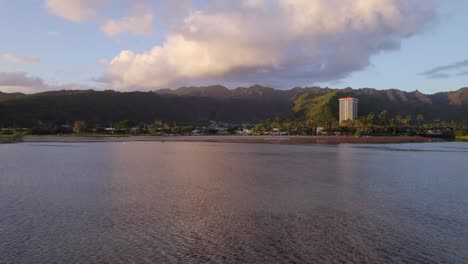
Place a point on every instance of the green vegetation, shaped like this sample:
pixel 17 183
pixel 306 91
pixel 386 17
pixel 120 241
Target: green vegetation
pixel 462 134
pixel 312 114
pixel 109 107
pixel 79 127
pixel 366 126
pixel 318 109
pixel 300 111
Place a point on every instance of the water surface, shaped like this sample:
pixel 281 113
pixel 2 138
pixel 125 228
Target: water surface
pixel 212 202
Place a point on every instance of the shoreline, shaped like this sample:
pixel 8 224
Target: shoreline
pixel 8 140
pixel 296 140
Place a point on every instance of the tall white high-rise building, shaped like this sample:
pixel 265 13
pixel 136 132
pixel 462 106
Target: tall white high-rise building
pixel 348 109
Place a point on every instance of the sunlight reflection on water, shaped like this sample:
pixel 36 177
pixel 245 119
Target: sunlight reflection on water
pixel 201 202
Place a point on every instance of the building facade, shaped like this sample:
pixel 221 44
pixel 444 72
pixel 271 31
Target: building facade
pixel 348 109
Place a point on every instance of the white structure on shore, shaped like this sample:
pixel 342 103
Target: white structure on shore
pixel 348 109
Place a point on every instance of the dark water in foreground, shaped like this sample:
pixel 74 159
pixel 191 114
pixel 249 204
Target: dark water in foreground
pixel 203 202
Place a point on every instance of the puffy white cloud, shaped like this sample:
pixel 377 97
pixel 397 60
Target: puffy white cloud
pixel 20 59
pixel 140 22
pixel 274 41
pixel 180 57
pixel 74 10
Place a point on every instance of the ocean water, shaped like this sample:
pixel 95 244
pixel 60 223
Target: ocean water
pixel 154 202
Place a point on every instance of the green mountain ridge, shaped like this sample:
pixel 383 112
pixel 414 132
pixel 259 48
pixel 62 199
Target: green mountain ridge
pixel 201 104
pixel 320 108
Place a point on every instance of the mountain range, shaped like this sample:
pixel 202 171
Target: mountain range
pixel 190 105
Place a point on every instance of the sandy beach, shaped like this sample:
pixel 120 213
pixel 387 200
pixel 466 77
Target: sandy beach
pixel 236 139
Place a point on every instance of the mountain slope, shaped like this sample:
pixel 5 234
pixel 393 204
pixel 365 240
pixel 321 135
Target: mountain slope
pixel 447 106
pixel 241 105
pixel 321 108
pixel 110 107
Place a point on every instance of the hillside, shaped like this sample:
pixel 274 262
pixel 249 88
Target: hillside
pixel 321 108
pixel 103 107
pixel 9 96
pixel 324 104
pixel 199 104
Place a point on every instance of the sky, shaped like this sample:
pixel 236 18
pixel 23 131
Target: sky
pixel 145 45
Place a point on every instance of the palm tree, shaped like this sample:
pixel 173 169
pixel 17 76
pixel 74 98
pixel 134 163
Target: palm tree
pixel 276 125
pixel 158 126
pixel 370 118
pixel 79 127
pixel 301 127
pixel 367 123
pixel 407 120
pixel 419 118
pixel 398 118
pixel 166 128
pixel 259 128
pixel 392 125
pixel 288 126
pixel 383 117
pixel 311 126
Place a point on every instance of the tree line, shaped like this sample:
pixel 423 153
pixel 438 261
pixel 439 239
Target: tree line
pixel 124 127
pixel 382 124
pixel 371 124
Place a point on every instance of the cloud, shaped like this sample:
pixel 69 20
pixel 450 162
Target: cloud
pixel 19 81
pixel 20 59
pixel 74 10
pixel 440 71
pixel 439 76
pixel 276 41
pixel 140 22
pixel 463 73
